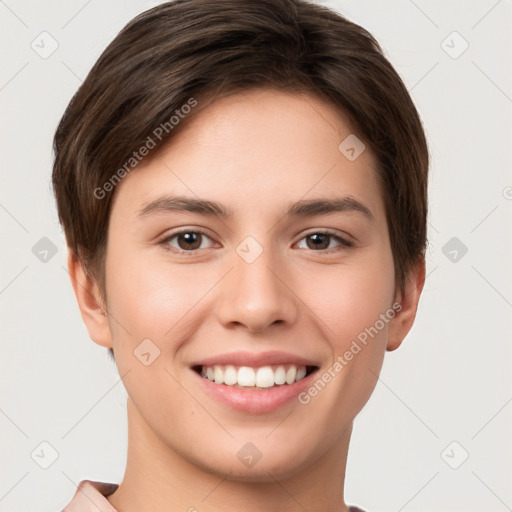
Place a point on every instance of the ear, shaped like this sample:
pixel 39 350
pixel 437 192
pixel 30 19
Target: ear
pixel 403 320
pixel 88 296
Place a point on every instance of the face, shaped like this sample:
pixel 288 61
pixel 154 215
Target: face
pixel 251 250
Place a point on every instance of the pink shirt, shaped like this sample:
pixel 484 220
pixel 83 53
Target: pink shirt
pixel 90 497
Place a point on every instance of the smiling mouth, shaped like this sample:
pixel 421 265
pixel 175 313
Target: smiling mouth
pixel 259 378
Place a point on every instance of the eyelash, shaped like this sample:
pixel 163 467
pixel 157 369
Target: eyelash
pixel 343 243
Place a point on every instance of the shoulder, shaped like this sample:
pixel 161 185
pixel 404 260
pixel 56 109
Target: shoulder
pixel 90 496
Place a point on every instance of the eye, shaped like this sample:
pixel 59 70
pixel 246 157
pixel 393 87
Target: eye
pixel 187 240
pixel 320 241
pixel 191 240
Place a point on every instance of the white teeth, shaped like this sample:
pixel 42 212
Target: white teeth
pixel 301 373
pixel 265 377
pixel 218 375
pixel 280 375
pixel 230 375
pixel 245 376
pixel 291 374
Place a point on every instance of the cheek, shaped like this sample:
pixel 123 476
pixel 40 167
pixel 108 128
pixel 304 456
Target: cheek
pixel 351 303
pixel 360 308
pixel 350 298
pixel 150 299
pixel 148 306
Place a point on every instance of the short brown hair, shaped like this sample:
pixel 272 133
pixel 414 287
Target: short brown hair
pixel 202 49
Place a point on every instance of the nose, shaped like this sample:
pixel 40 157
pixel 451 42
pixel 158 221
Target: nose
pixel 257 295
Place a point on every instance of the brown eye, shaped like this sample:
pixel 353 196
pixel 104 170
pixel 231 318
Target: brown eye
pixel 318 241
pixel 189 241
pixel 321 241
pixel 186 241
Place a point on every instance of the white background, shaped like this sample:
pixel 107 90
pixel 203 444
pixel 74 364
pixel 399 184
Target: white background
pixel 450 380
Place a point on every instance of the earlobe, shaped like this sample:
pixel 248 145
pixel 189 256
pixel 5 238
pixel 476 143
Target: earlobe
pixel 90 302
pixel 401 324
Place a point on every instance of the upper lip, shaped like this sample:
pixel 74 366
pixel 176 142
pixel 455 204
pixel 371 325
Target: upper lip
pixel 255 360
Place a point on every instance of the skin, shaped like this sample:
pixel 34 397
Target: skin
pixel 254 152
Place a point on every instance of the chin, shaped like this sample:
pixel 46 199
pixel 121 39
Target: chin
pixel 267 468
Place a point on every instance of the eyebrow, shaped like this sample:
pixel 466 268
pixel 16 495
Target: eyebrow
pixel 302 208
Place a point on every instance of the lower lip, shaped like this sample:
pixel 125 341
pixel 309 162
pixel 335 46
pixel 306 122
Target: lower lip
pixel 255 401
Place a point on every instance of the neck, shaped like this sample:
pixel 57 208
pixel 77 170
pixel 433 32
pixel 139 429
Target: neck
pixel 159 479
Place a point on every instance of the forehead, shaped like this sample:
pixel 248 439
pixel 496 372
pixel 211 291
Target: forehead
pixel 258 147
